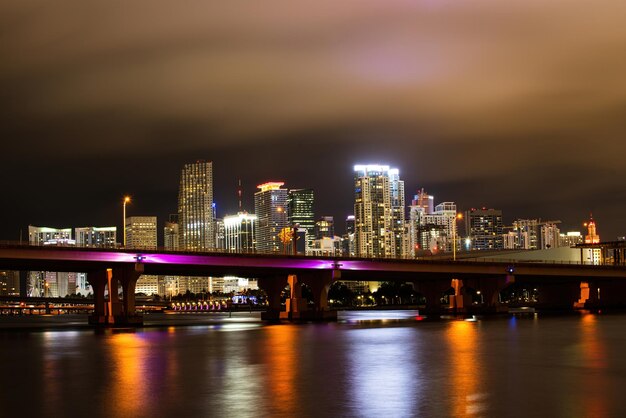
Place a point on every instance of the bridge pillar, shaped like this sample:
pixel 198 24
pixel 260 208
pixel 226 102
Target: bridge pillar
pixel 602 294
pixel 320 282
pixel 432 291
pixel 558 295
pixel 461 300
pixel 273 286
pixel 114 312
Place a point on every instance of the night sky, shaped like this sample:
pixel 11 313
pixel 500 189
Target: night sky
pixel 515 105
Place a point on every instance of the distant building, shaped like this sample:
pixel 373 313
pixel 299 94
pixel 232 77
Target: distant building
pixel 170 236
pixel 270 208
pixel 196 221
pixel 592 236
pixel 300 212
pixel 432 229
pixel 94 236
pixel 325 227
pixel 9 283
pixel 347 239
pixel 49 236
pixel 240 233
pixel 220 234
pixel 570 239
pixel 485 229
pixel 141 232
pixel 378 211
pixel 549 235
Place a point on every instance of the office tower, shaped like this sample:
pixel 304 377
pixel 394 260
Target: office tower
pixel 347 239
pixel 49 236
pixel 526 233
pixel 196 221
pixel 484 229
pixel 300 212
pixel 375 227
pixel 350 224
pixel 141 232
pixel 220 243
pixel 93 236
pixel 270 208
pixel 240 233
pixel 325 227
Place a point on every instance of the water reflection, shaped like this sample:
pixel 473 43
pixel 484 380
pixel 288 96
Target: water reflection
pixel 466 397
pixel 384 375
pixel 594 356
pixel 282 372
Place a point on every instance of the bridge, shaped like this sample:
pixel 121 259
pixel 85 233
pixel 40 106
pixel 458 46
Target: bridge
pixel 559 285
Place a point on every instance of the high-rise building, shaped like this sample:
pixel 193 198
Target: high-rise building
pixel 374 223
pixel 347 239
pixel 220 232
pixel 325 227
pixel 300 212
pixel 549 236
pixel 240 233
pixel 592 236
pixel 270 208
pixel 485 229
pixel 48 283
pixel 398 216
pixel 195 207
pixel 93 236
pixel 170 236
pixel 141 232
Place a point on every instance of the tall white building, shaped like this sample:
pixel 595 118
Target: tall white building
pixel 41 235
pixel 432 229
pixel 141 234
pixel 378 218
pixel 240 233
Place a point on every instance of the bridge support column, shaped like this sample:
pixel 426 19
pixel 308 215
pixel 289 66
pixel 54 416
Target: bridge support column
pixel 432 291
pixel 561 295
pixel 273 286
pixel 113 312
pixel 320 282
pixel 602 294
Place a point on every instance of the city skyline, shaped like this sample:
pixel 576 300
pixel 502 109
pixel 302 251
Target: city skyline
pixel 462 97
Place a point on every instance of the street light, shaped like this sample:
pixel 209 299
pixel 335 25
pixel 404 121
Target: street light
pixel 457 217
pixel 126 200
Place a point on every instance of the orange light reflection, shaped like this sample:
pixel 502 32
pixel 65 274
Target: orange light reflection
pixel 282 374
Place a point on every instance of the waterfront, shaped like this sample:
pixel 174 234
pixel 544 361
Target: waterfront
pixel 388 363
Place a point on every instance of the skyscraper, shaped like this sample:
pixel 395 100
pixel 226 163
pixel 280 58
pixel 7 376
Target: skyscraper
pixel 484 228
pixel 379 211
pixel 271 211
pixel 195 207
pixel 300 211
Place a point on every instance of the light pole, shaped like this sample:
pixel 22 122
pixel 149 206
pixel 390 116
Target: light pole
pixel 126 200
pixel 457 216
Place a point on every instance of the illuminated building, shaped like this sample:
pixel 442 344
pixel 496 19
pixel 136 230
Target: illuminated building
pixel 592 236
pixel 271 211
pixel 170 236
pixel 240 233
pixel 93 236
pixel 325 227
pixel 141 234
pixel 195 207
pixel 220 239
pixel 549 236
pixel 347 240
pixel 484 228
pixel 9 283
pixel 49 236
pixel 300 212
pixel 378 211
pixel 570 239
pixel 431 229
